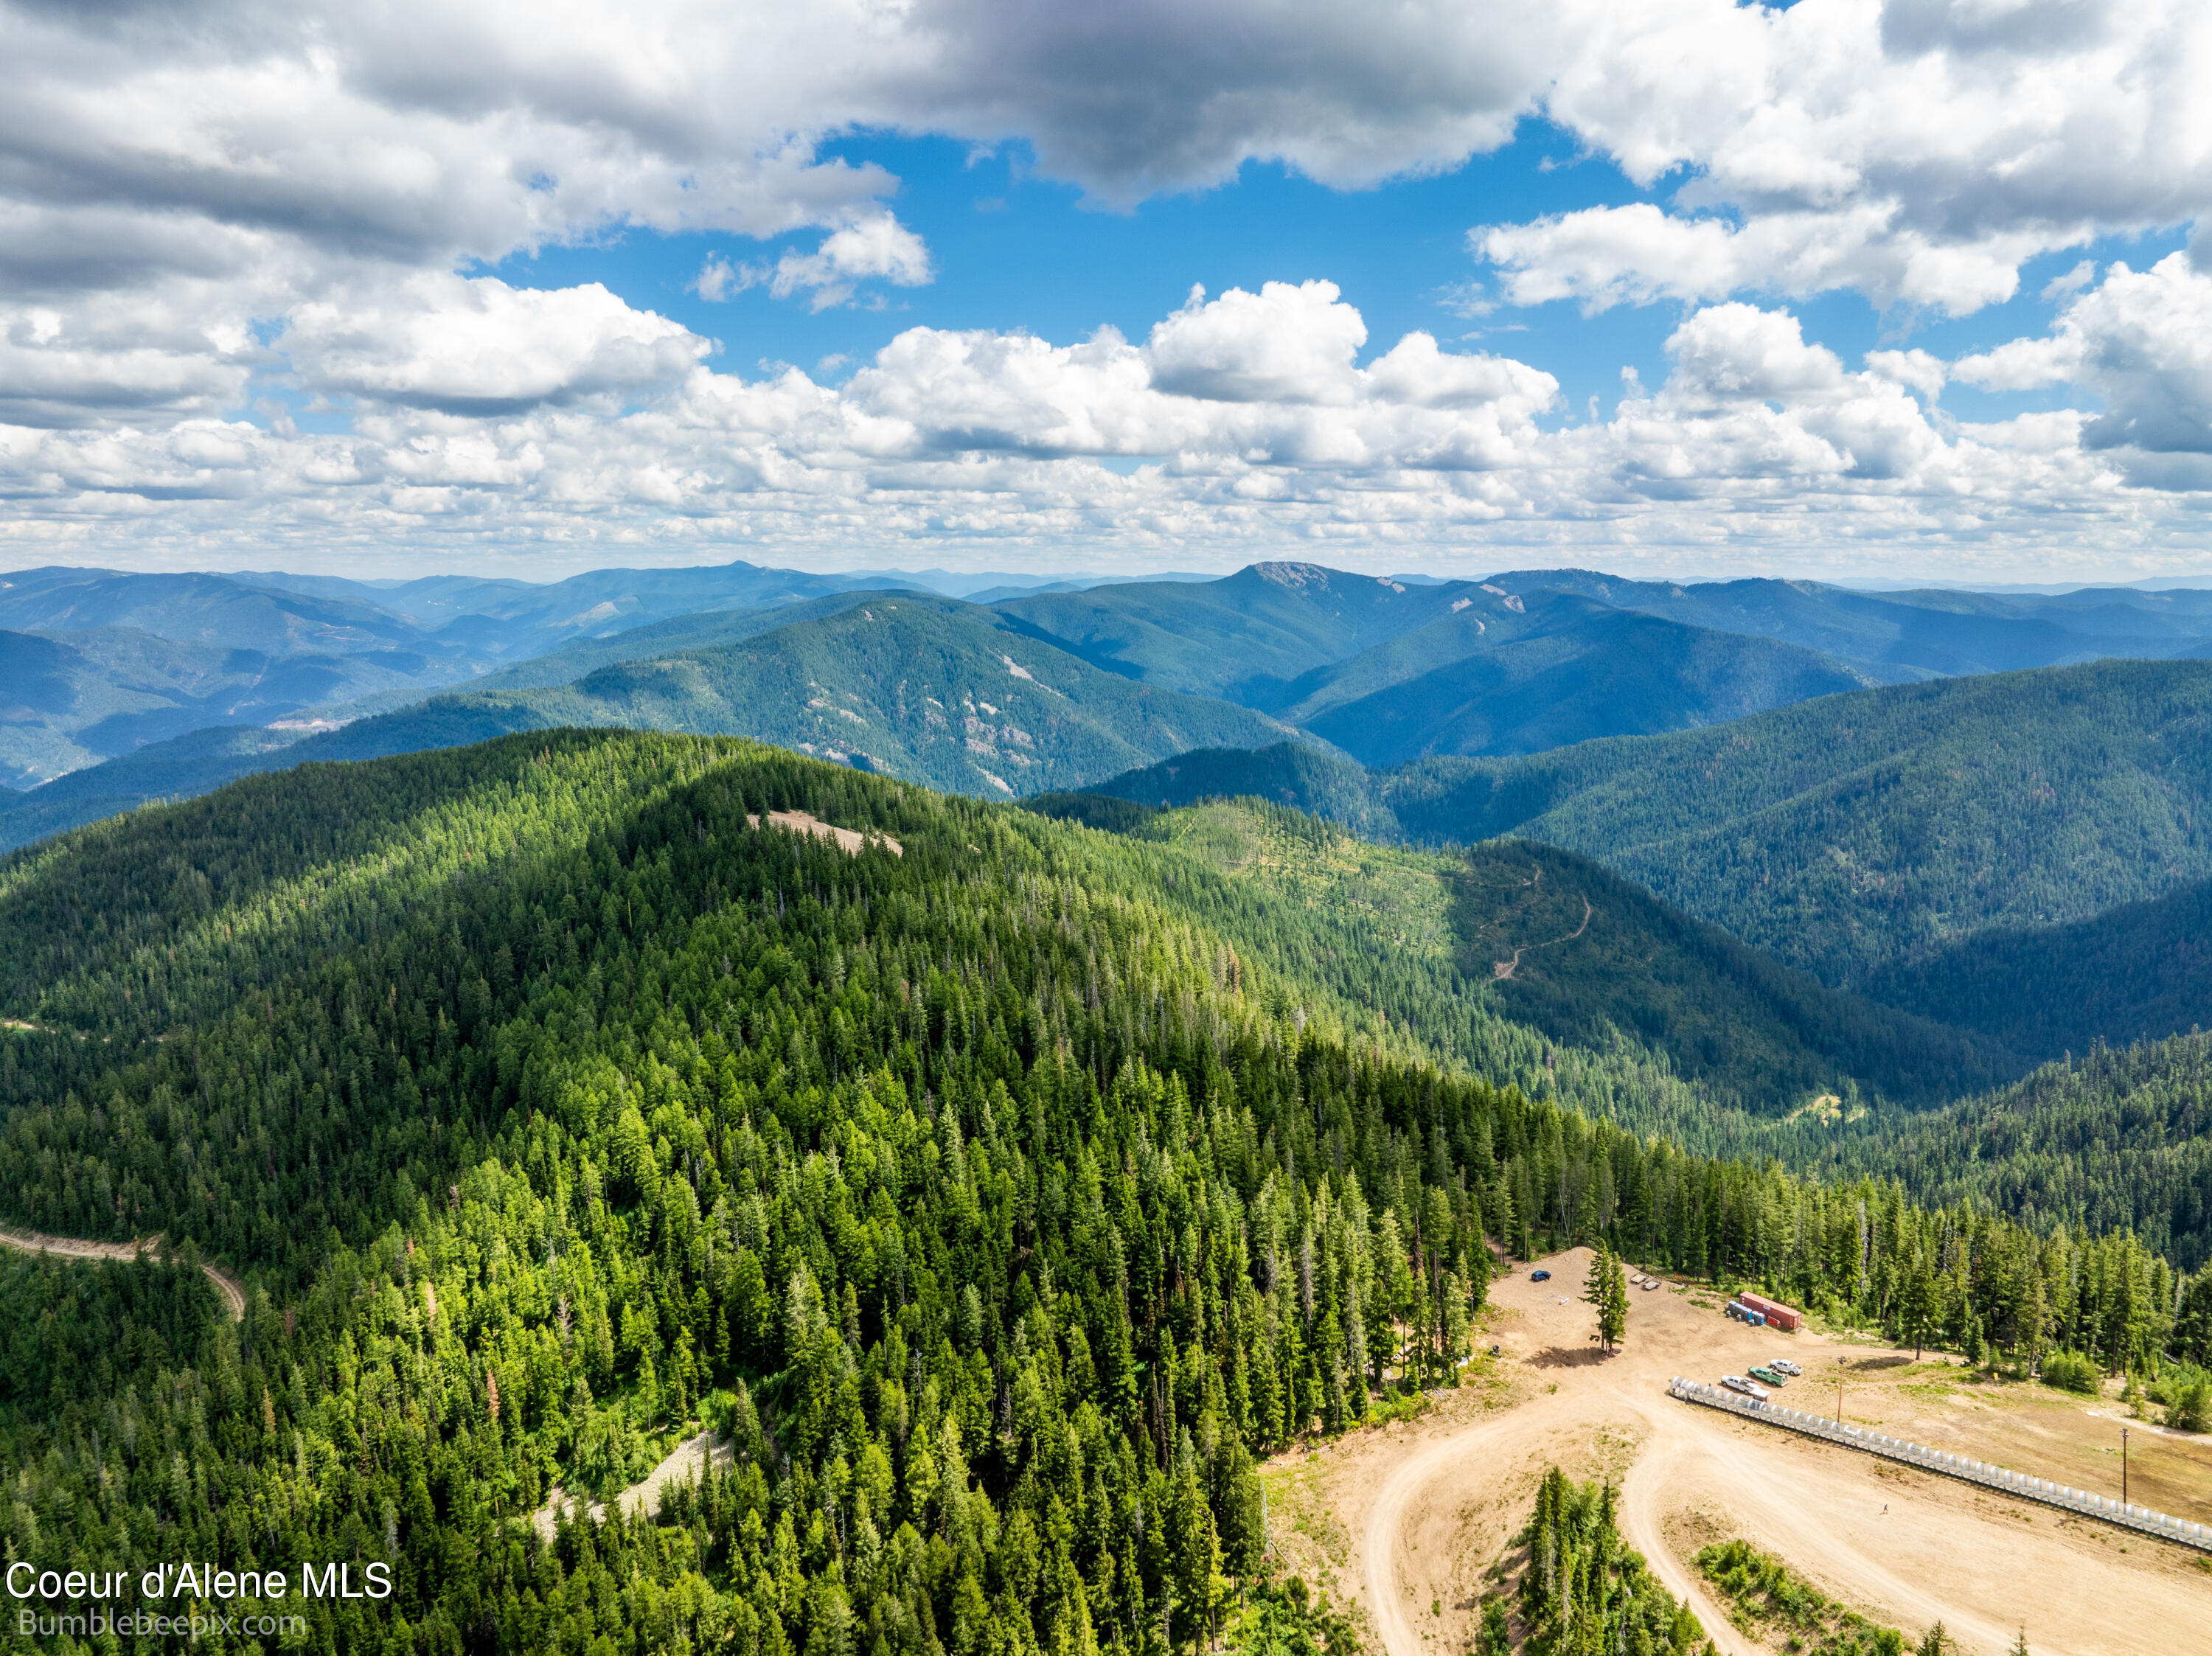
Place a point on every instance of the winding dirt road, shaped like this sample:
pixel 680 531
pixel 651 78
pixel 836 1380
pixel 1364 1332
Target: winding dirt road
pixel 1430 1507
pixel 32 1242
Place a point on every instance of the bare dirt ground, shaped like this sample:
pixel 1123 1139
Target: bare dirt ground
pixel 799 821
pixel 32 1242
pixel 1409 1521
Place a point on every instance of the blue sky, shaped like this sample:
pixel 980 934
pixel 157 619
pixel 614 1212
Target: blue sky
pixel 1903 292
pixel 1014 249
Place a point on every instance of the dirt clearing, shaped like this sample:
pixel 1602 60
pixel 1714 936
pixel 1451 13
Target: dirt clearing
pixel 799 821
pixel 1406 1520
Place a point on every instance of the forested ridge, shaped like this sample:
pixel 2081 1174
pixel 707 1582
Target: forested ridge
pixel 2138 971
pixel 1555 941
pixel 2120 1139
pixel 1002 1196
pixel 2112 1140
pixel 1844 834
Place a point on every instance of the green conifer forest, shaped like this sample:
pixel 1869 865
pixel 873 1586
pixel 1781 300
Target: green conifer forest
pixel 999 1189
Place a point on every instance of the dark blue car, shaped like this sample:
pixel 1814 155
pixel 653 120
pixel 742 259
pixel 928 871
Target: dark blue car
pixel 1540 1275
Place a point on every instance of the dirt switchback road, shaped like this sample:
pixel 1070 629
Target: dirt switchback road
pixel 1903 1547
pixel 32 1242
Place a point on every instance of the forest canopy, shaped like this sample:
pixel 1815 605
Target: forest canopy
pixel 1000 1189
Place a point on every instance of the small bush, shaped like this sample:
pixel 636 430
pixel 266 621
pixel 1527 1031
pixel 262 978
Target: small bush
pixel 2191 1403
pixel 2070 1372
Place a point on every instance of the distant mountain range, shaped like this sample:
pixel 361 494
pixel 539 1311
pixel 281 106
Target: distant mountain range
pixel 70 700
pixel 1825 836
pixel 1929 633
pixel 1785 759
pixel 105 662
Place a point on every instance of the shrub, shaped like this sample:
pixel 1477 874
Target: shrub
pixel 2070 1371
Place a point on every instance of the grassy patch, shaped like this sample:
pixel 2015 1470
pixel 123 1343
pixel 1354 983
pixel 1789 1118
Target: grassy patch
pixel 1298 1492
pixel 1410 1406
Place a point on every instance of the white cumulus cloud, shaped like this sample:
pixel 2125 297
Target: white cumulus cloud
pixel 479 346
pixel 2141 342
pixel 986 445
pixel 1282 345
pixel 1917 151
pixel 877 245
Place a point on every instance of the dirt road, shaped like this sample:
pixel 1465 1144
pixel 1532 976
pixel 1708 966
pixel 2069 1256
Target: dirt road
pixel 1430 1507
pixel 32 1242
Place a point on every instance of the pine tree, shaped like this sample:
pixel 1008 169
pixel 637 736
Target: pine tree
pixel 1918 1310
pixel 1607 1289
pixel 1193 1548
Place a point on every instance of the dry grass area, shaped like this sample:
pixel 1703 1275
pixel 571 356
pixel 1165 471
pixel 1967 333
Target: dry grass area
pixel 1411 1522
pixel 2024 1427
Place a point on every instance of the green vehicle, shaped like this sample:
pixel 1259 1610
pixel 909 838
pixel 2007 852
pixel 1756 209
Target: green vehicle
pixel 1768 1377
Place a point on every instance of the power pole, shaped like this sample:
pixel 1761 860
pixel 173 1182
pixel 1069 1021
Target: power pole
pixel 2123 1466
pixel 1840 1361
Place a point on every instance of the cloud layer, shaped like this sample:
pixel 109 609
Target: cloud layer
pixel 1916 151
pixel 201 204
pixel 1242 424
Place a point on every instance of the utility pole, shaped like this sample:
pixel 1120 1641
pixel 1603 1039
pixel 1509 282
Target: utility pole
pixel 2123 1466
pixel 1840 1361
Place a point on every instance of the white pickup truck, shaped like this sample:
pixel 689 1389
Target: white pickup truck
pixel 1749 1388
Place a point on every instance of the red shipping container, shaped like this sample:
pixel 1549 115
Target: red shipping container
pixel 1777 1315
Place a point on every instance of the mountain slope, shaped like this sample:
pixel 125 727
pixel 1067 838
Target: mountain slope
pixel 1309 780
pixel 202 760
pixel 674 635
pixel 70 700
pixel 2138 971
pixel 1842 834
pixel 2117 1138
pixel 1244 637
pixel 926 688
pixel 920 687
pixel 1555 941
pixel 1564 670
pixel 1580 953
pixel 567 663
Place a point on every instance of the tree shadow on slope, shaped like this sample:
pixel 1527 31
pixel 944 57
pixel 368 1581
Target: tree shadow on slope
pixel 1588 958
